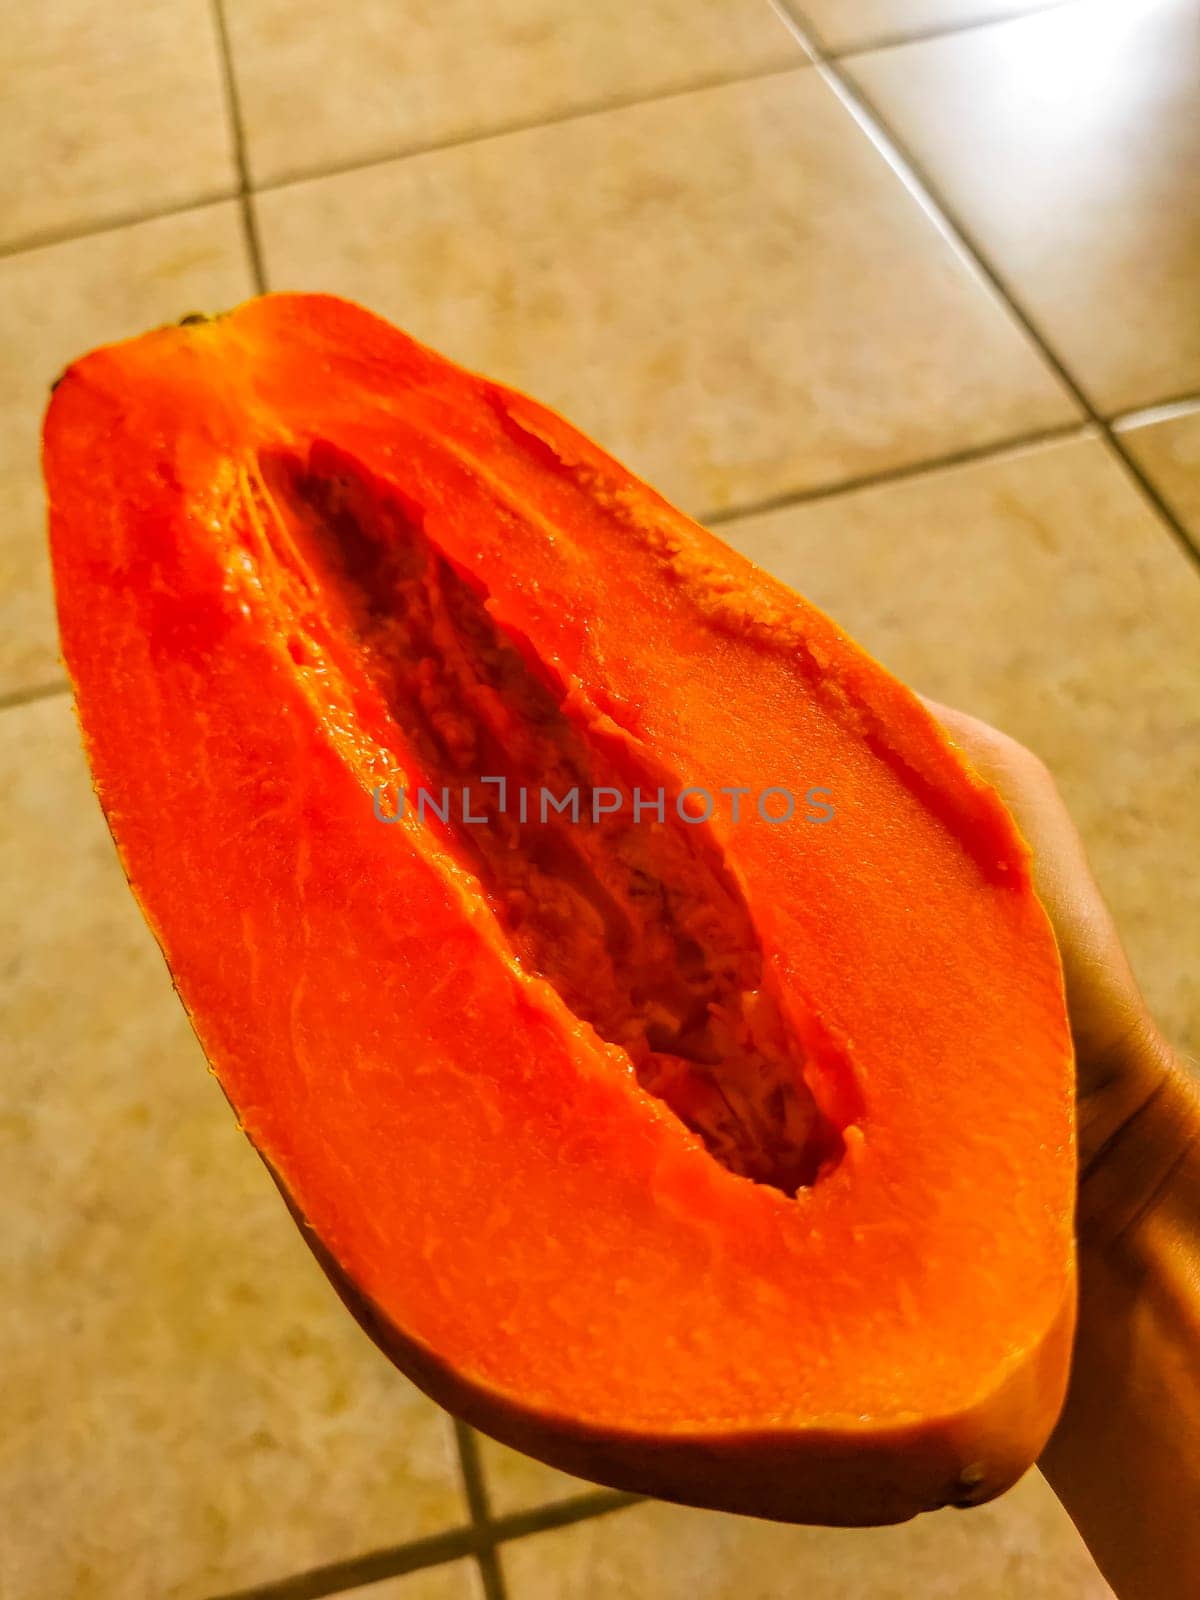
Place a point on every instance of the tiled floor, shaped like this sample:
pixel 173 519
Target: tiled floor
pixel 844 25
pixel 108 114
pixel 433 75
pixel 903 296
pixel 1166 445
pixel 610 246
pixel 1007 1551
pixel 1068 145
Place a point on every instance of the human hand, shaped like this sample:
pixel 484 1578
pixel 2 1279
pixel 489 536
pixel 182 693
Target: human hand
pixel 1123 1457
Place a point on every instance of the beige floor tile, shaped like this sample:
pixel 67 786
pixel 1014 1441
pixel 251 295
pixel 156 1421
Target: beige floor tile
pixel 729 289
pixel 108 111
pixel 854 24
pixel 457 1581
pixel 1068 143
pixel 519 1483
pixel 389 79
pixel 1020 1546
pixel 56 303
pixel 1040 592
pixel 1167 447
pixel 187 1406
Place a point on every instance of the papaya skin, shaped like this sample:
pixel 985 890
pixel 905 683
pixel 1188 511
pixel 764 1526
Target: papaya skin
pixel 296 556
pixel 841 1476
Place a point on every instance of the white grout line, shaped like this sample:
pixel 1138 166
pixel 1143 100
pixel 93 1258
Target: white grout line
pixel 1168 411
pixel 921 186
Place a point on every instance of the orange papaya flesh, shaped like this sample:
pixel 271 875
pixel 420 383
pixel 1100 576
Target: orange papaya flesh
pixel 729 1160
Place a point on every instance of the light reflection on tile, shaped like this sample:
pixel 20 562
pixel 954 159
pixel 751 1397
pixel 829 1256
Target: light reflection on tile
pixel 1167 448
pixel 855 24
pixel 1068 143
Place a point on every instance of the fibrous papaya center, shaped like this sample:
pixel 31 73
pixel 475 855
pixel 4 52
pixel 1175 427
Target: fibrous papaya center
pixel 634 918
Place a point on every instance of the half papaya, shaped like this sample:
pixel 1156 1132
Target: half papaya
pixel 644 1008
